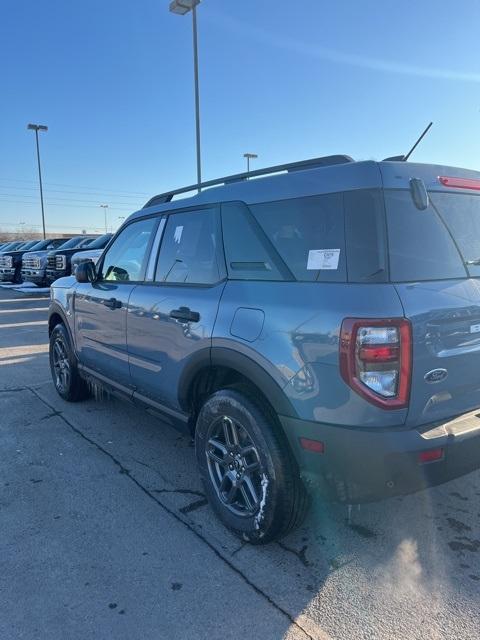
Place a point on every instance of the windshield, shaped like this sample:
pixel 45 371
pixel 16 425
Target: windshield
pixel 100 242
pixel 27 245
pixel 75 242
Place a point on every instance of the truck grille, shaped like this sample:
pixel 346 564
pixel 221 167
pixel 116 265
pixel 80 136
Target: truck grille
pixel 51 262
pixel 6 261
pixel 31 263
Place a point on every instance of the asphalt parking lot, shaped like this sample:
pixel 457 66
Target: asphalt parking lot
pixel 106 533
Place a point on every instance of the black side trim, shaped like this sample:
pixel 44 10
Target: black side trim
pixel 223 357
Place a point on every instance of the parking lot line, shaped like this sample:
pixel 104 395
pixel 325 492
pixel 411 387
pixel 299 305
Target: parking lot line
pixel 15 325
pixel 26 299
pixel 24 309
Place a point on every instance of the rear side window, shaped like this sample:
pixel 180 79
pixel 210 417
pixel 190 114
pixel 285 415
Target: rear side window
pixel 189 250
pixel 249 254
pixel 420 245
pixel 365 236
pixel 308 234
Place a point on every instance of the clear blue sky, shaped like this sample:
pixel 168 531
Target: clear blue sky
pixel 113 80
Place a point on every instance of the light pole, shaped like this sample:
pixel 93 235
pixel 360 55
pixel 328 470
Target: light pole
pixel 181 7
pixel 37 128
pixel 249 156
pixel 105 207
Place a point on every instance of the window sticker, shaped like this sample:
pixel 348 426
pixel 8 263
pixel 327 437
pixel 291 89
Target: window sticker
pixel 177 236
pixel 323 259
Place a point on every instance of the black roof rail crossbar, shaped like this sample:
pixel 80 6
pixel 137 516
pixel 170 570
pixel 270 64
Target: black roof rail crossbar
pixel 239 177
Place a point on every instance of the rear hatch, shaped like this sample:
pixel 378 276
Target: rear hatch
pixel 435 265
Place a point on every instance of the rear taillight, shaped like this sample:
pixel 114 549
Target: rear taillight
pixel 376 359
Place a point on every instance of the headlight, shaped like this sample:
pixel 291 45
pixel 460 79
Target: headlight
pixel 61 262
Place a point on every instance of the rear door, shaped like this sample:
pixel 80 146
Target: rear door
pixel 432 260
pixel 171 317
pixel 101 306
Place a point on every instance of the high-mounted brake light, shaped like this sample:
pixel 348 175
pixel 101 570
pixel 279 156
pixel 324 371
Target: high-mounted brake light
pixel 460 183
pixel 376 359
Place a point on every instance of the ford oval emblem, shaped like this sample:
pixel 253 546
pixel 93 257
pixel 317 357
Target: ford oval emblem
pixel 435 375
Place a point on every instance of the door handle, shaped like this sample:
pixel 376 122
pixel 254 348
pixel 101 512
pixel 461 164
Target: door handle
pixel 113 303
pixel 185 314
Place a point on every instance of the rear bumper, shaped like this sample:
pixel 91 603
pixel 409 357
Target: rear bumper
pixel 364 466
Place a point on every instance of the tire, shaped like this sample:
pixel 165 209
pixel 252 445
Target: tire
pixel 63 367
pixel 251 479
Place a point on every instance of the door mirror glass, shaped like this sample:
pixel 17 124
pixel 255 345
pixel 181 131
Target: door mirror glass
pixel 86 272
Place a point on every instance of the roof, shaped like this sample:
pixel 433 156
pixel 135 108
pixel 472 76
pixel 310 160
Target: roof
pixel 306 178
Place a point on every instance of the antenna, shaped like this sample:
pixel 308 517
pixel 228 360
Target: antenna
pixel 405 158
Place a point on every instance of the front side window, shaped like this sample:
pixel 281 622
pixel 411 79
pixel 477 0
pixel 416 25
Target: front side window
pixel 189 250
pixel 125 260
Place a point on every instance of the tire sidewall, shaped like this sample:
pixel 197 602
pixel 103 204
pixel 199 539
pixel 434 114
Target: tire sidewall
pixel 60 333
pixel 236 406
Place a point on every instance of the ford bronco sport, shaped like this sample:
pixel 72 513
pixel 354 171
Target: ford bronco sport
pixel 315 327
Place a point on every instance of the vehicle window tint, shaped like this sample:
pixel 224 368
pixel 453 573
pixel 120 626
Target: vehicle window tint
pixel 365 235
pixel 248 253
pixel 189 248
pixel 420 246
pixel 125 260
pixel 308 233
pixel 461 214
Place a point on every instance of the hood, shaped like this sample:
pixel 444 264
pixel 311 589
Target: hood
pixel 64 283
pixel 36 254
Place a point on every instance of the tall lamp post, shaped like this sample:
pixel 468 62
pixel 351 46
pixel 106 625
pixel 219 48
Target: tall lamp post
pixel 249 156
pixel 182 7
pixel 37 128
pixel 105 207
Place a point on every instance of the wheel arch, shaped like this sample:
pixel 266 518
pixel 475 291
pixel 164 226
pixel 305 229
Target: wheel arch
pixel 222 368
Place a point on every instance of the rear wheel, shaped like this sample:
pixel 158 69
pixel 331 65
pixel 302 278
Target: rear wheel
pixel 63 366
pixel 250 477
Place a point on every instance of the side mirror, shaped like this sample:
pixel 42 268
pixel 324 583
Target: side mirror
pixel 86 272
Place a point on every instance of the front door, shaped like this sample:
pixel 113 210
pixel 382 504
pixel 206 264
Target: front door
pixel 171 319
pixel 101 306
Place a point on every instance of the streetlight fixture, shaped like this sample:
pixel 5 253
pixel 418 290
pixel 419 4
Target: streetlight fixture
pixel 37 128
pixel 105 207
pixel 182 7
pixel 249 156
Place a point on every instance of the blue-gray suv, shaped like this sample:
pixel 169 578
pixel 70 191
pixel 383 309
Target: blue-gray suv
pixel 313 325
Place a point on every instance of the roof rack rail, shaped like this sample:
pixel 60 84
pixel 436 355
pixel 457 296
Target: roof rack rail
pixel 239 177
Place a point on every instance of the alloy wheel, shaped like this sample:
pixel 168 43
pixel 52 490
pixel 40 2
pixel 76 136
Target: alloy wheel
pixel 234 466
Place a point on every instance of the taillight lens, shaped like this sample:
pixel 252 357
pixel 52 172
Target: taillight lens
pixel 376 360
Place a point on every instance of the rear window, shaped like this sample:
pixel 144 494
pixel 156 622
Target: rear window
pixel 421 246
pixel 461 214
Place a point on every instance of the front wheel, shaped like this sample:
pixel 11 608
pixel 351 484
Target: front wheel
pixel 250 477
pixel 63 366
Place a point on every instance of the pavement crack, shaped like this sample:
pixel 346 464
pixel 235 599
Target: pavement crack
pixel 300 554
pixel 144 464
pixel 189 492
pixel 175 515
pixel 193 506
